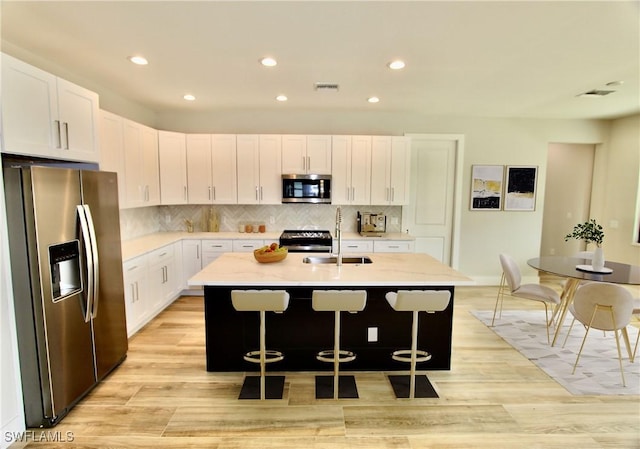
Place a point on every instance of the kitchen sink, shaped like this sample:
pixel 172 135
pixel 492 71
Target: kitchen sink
pixel 333 259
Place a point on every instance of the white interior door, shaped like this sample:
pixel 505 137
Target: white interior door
pixel 434 204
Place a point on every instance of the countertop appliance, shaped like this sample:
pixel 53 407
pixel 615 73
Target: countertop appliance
pixel 301 240
pixel 306 188
pixel 66 265
pixel 371 225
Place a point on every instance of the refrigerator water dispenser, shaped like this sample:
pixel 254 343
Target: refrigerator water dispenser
pixel 66 279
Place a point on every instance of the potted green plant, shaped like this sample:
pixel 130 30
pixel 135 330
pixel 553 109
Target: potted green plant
pixel 591 232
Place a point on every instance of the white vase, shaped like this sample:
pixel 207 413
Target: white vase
pixel 597 263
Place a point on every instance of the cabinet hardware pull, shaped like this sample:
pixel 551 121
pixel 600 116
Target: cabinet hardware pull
pixel 59 134
pixel 393 194
pixel 137 292
pixel 197 252
pixel 185 193
pixel 209 192
pixel 260 193
pixel 66 135
pixel 257 193
pixel 132 268
pixel 214 193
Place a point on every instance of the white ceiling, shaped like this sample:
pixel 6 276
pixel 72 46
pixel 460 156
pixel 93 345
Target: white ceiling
pixel 505 59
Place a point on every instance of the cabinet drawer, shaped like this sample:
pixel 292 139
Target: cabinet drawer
pixel 392 246
pixel 360 246
pixel 218 246
pixel 246 245
pixel 135 266
pixel 161 255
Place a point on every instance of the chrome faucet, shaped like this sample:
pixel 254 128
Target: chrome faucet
pixel 339 236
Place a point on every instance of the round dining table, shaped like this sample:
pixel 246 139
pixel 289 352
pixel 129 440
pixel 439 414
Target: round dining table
pixel 577 270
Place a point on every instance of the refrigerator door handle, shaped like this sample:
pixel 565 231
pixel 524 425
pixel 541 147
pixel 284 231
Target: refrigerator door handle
pixel 84 228
pixel 96 261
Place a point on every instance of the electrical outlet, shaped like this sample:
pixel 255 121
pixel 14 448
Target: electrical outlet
pixel 167 218
pixel 372 334
pixel 272 220
pixel 394 220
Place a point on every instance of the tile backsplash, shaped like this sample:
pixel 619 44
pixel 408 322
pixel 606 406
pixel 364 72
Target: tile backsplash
pixel 141 221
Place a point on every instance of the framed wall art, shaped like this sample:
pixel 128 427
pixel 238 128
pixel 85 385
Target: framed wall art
pixel 486 187
pixel 520 193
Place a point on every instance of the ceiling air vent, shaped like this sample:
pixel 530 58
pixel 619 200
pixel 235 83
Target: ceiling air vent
pixel 596 93
pixel 326 87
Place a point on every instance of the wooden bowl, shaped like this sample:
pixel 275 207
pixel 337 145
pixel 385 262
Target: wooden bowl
pixel 275 256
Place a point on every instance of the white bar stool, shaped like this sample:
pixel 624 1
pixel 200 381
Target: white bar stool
pixel 415 301
pixel 261 301
pixel 337 301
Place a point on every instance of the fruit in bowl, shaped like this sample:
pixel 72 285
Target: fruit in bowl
pixel 270 253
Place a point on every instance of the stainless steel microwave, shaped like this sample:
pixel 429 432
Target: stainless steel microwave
pixel 306 188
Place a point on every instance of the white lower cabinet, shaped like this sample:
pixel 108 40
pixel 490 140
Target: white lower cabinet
pixel 355 246
pixel 191 260
pixel 212 249
pixel 247 245
pixel 152 282
pixel 135 293
pixel 393 246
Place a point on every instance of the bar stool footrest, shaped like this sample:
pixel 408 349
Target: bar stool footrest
pixel 404 355
pixel 273 387
pixel 343 356
pixel 346 387
pixel 270 356
pixel 401 386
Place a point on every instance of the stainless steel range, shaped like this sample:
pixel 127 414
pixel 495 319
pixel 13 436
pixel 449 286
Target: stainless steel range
pixel 302 240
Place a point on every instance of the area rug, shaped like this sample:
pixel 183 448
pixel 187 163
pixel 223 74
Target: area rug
pixel 597 373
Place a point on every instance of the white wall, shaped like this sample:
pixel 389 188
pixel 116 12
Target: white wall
pixel 616 187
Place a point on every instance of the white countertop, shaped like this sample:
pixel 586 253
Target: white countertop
pixel 139 246
pixel 392 269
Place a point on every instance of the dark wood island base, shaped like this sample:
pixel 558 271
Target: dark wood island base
pixel 300 332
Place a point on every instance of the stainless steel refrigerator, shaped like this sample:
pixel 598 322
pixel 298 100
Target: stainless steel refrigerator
pixel 66 264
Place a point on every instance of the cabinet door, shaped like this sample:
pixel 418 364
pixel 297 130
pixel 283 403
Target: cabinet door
pixel 341 170
pixel 172 151
pixel 380 170
pixel 135 293
pixel 270 191
pixel 223 162
pixel 112 149
pixel 191 259
pixel 199 181
pixel 29 109
pixel 150 166
pixel 78 115
pixel 294 154
pixel 393 246
pixel 133 164
pixel 319 155
pixel 248 168
pixel 400 172
pixel 361 180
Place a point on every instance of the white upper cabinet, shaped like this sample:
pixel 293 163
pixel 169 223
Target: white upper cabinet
pixel 390 158
pixel 223 162
pixel 112 150
pixel 141 165
pixel 351 170
pixel 199 174
pixel 43 115
pixel 172 151
pixel 306 154
pixel 211 168
pixel 259 162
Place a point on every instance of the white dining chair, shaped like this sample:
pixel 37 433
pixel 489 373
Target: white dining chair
pixel 604 306
pixel 511 283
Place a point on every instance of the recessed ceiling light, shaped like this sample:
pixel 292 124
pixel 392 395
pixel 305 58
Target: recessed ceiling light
pixel 373 99
pixel 596 93
pixel 268 62
pixel 615 83
pixel 396 65
pixel 189 97
pixel 139 60
pixel 281 98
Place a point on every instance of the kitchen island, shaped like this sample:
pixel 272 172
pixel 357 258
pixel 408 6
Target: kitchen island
pixel 300 332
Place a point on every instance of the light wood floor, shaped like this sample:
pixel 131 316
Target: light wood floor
pixel 162 397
